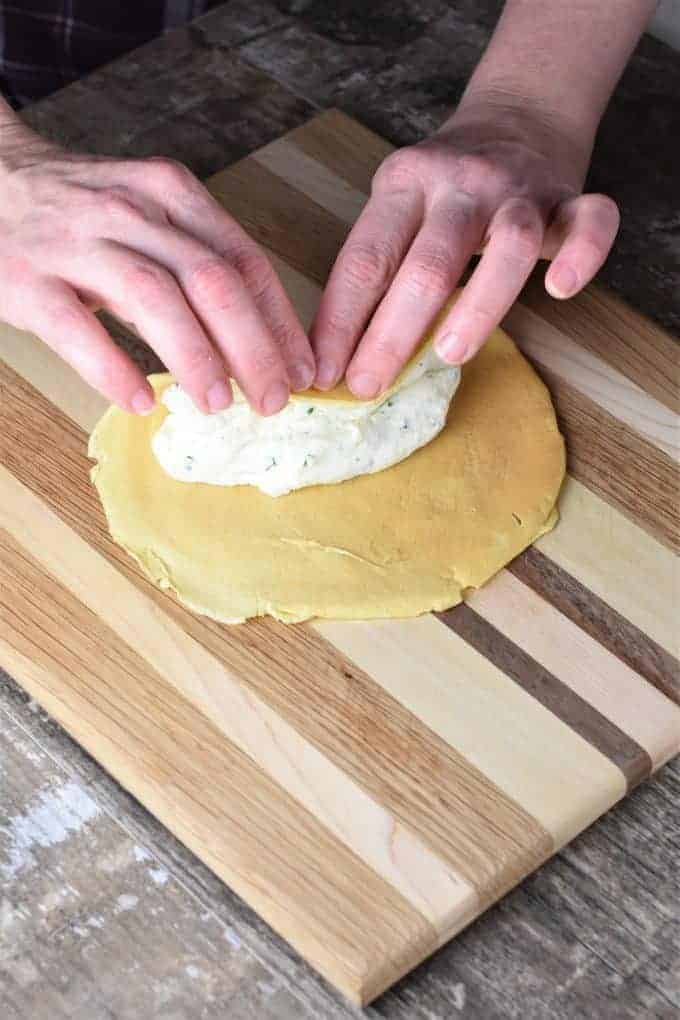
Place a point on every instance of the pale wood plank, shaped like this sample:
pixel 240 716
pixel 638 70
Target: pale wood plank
pixel 553 349
pixel 571 655
pixel 354 818
pixel 291 164
pixel 352 925
pixel 344 146
pixel 618 561
pixel 615 332
pixel 523 748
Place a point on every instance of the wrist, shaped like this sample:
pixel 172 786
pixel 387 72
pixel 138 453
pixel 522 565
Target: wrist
pixel 514 117
pixel 19 145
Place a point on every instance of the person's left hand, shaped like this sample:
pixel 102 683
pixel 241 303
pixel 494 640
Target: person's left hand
pixel 432 206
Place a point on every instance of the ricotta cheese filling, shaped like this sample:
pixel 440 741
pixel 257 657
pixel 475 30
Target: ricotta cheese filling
pixel 314 440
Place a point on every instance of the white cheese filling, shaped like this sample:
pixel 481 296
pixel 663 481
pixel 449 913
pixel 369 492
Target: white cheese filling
pixel 313 440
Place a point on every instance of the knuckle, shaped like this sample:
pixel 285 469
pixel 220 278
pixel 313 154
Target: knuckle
pixel 522 233
pixel 169 174
pixel 115 205
pixel 213 283
pixel 430 273
pixel 368 265
pixel 399 172
pixel 478 170
pixel 254 268
pixel 149 284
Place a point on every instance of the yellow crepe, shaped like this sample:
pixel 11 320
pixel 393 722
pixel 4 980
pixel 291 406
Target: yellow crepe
pixel 406 540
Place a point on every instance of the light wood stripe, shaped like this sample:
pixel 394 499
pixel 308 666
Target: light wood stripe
pixel 354 818
pixel 291 164
pixel 614 462
pixel 616 559
pixel 554 695
pixel 285 220
pixel 344 146
pixel 552 349
pixel 619 636
pixel 586 667
pixel 617 334
pixel 537 760
pixel 470 824
pixel 306 884
pixel 592 543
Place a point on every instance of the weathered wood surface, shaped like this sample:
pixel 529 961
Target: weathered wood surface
pixel 587 948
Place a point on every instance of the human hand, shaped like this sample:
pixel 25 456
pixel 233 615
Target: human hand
pixel 488 181
pixel 145 240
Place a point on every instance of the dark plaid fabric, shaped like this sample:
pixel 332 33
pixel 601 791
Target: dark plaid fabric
pixel 45 44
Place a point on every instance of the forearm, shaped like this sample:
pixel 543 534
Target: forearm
pixel 557 62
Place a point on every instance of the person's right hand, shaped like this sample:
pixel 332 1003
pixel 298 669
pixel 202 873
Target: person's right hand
pixel 146 241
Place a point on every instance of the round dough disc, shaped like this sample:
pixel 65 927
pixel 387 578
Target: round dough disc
pixel 400 542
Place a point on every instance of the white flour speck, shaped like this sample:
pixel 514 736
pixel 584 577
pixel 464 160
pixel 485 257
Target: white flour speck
pixel 160 875
pixel 232 938
pixel 459 996
pixel 126 901
pixel 141 854
pixel 51 817
pixel 95 921
pixel 192 972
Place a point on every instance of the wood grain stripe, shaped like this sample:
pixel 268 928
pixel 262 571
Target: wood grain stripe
pixel 568 654
pixel 604 624
pixel 592 543
pixel 589 376
pixel 566 704
pixel 617 334
pixel 343 146
pixel 443 897
pixel 285 220
pixel 159 746
pixel 554 695
pixel 467 821
pixel 614 462
pixel 617 560
pixel 291 164
pixel 535 758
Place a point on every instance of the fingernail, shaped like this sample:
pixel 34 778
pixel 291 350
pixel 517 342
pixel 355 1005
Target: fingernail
pixel 301 375
pixel 451 348
pixel 562 282
pixel 275 398
pixel 143 402
pixel 218 396
pixel 364 385
pixel 326 373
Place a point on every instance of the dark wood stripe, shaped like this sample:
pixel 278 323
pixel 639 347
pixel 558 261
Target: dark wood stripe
pixel 616 463
pixel 618 635
pixel 290 223
pixel 464 818
pixel 310 887
pixel 556 696
pixel 343 146
pixel 613 331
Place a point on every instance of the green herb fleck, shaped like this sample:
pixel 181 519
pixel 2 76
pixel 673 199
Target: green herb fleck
pixel 271 465
pixel 310 410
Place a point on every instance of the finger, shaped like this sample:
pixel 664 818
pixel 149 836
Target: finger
pixel 363 271
pixel 420 289
pixel 515 236
pixel 63 322
pixel 137 289
pixel 218 297
pixel 193 210
pixel 579 240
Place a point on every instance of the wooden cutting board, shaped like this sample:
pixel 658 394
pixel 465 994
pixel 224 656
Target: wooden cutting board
pixel 369 788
